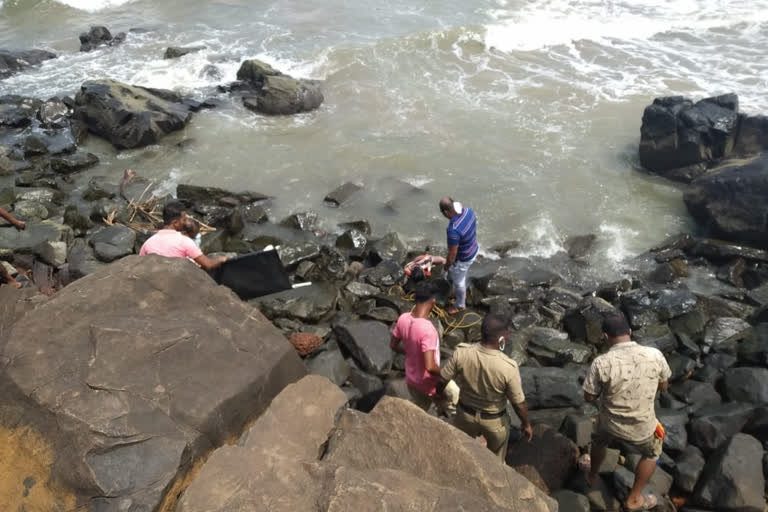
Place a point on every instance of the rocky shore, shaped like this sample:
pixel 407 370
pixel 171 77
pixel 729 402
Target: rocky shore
pixel 141 385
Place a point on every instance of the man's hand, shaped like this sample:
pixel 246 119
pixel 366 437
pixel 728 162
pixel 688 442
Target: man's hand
pixel 527 431
pixel 20 225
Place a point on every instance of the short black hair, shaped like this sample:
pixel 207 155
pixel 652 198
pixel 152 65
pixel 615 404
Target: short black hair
pixel 493 327
pixel 615 325
pixel 424 292
pixel 173 211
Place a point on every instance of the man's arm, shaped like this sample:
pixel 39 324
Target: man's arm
pixel 209 263
pixel 663 386
pixel 396 345
pixel 451 259
pixel 592 385
pixel 429 363
pixel 13 220
pixel 521 410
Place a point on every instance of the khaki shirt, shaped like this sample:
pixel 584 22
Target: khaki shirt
pixel 486 377
pixel 627 377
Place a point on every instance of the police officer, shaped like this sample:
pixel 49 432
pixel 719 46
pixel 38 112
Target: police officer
pixel 487 378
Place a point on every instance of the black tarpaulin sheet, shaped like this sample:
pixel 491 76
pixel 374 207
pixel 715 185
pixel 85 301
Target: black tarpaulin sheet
pixel 253 275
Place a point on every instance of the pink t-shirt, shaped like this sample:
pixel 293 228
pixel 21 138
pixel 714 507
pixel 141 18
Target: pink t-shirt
pixel 171 244
pixel 419 336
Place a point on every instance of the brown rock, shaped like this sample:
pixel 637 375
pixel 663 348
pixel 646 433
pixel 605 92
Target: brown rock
pixel 305 343
pixel 128 377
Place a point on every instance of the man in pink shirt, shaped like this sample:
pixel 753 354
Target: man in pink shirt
pixel 171 243
pixel 416 337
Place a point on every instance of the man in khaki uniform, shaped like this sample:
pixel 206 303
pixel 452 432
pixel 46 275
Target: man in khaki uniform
pixel 627 378
pixel 487 378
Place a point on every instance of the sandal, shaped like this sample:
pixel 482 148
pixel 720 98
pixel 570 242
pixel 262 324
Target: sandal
pixel 454 310
pixel 649 502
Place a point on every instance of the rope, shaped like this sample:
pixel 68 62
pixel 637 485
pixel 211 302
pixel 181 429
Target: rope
pixel 450 322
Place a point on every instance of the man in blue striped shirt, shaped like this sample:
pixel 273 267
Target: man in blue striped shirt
pixel 462 247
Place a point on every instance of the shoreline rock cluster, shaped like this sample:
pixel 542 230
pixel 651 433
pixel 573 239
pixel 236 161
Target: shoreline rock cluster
pixel 129 388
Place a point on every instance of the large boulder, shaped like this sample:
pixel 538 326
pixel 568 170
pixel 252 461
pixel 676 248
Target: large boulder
pixel 12 62
pixel 307 453
pixel 713 425
pixel 733 478
pixel 368 342
pixel 547 460
pixel 129 116
pixel 99 36
pixel 270 92
pixel 137 372
pixel 747 385
pixel 546 387
pixel 677 133
pixel 731 202
pixel 307 304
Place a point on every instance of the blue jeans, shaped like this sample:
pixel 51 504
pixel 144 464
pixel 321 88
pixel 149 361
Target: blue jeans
pixel 458 273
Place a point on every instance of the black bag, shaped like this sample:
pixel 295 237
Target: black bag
pixel 253 275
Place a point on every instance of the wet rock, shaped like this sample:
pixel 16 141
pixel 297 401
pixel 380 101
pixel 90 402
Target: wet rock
pixel 569 501
pixel 388 248
pixel 129 116
pixel 75 162
pixel 201 194
pixel 713 367
pixel 732 479
pixel 54 114
pixel 353 241
pixel 362 290
pixel 99 36
pixel 681 366
pixel 362 226
pixel 35 234
pixel 585 322
pixel 578 247
pixel 256 71
pixel 371 388
pixel 14 61
pixel 113 242
pixel 329 363
pixel 303 221
pixel 283 95
pixel 17 111
pixel 675 425
pixel 552 347
pixel 748 385
pixel 721 331
pixel 81 260
pixel 384 275
pixel 721 251
pixel 648 307
pixel 293 254
pixel 728 202
pixel 678 133
pixel 733 272
pixel 135 420
pixel 657 336
pixel 30 211
pixel 754 349
pixel 546 461
pixel 330 265
pixel 384 314
pixel 711 426
pixel 368 343
pixel 48 143
pixel 174 52
pixel 255 214
pixel 688 468
pixel 695 394
pixel 52 253
pixel 342 194
pixel 308 304
pixel 551 387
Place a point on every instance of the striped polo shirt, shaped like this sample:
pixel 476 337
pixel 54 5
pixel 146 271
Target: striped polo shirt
pixel 462 231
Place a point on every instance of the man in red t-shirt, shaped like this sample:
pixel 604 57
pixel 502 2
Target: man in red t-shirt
pixel 416 337
pixel 169 241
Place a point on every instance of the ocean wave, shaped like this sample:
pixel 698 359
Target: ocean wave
pixel 91 5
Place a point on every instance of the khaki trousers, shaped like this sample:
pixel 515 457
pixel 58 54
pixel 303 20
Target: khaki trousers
pixel 494 430
pixel 446 406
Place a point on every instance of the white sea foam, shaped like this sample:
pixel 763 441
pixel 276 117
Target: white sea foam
pixel 615 241
pixel 541 238
pixel 93 5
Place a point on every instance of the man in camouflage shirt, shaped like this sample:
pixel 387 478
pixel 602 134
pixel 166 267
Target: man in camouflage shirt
pixel 627 378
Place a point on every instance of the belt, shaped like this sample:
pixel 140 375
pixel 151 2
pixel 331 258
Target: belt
pixel 483 415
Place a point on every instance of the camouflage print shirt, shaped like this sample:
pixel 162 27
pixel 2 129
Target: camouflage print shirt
pixel 627 378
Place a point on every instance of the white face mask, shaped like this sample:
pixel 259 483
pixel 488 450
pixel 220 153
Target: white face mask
pixel 502 343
